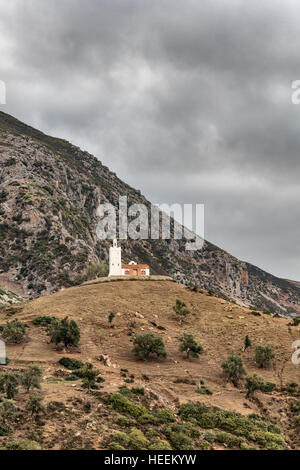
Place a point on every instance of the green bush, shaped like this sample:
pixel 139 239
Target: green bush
pixel 22 444
pixel 5 430
pixel 9 383
pixel 159 444
pixel 165 415
pixel 8 410
pixel 181 310
pixel 190 346
pixel 89 375
pixel 71 364
pixel 203 391
pixel 233 368
pixel 44 321
pixel 262 432
pixel 121 404
pixel 148 344
pixel 14 331
pixel 35 405
pixel 64 331
pixel 31 377
pixel 264 355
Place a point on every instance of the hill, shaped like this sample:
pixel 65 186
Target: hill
pixel 50 191
pixel 78 419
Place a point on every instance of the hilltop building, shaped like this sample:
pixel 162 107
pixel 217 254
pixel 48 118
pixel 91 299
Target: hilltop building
pixel 116 268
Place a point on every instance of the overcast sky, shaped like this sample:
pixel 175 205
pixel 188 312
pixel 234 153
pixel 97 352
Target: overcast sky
pixel 189 101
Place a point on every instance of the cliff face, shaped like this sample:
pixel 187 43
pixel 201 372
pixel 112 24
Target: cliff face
pixel 50 191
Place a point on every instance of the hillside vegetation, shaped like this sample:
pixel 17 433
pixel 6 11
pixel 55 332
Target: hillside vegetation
pixel 162 402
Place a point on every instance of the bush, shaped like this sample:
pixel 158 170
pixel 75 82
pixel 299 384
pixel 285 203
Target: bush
pixel 204 391
pixel 121 404
pixel 252 384
pixel 22 444
pixel 145 345
pixel 190 346
pixel 35 405
pixel 64 331
pixel 233 368
pixel 181 310
pixel 9 382
pixel 44 321
pixel 165 415
pixel 296 321
pixel 14 331
pixel 5 430
pixel 264 355
pixel 262 432
pixel 7 410
pixel 31 377
pixel 89 375
pixel 159 444
pixel 247 343
pixel 71 364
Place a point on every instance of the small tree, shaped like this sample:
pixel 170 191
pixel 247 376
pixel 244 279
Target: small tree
pixel 111 317
pixel 9 382
pixel 14 331
pixel 147 344
pixel 31 377
pixel 7 410
pixel 89 375
pixel 264 355
pixel 233 368
pixel 190 346
pixel 35 405
pixel 252 384
pixel 64 331
pixel 181 310
pixel 247 343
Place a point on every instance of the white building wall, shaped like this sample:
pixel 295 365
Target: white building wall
pixel 115 263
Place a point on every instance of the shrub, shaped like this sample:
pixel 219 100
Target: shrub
pixel 121 404
pixel 9 382
pixel 7 410
pixel 64 331
pixel 22 444
pixel 44 321
pixel 71 364
pixel 247 343
pixel 31 377
pixel 145 345
pixel 262 432
pixel 263 355
pixel 35 405
pixel 296 321
pixel 178 439
pixel 111 317
pixel 204 391
pixel 252 384
pixel 190 346
pixel 89 375
pixel 159 444
pixel 181 310
pixel 5 430
pixel 137 440
pixel 165 415
pixel 233 368
pixel 14 331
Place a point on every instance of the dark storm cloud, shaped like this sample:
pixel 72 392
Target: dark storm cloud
pixel 188 101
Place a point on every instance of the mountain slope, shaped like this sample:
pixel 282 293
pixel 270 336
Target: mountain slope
pixel 50 191
pixel 75 416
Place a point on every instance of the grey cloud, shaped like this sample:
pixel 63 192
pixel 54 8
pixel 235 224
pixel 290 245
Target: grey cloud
pixel 187 101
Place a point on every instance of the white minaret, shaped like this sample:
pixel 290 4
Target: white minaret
pixel 115 263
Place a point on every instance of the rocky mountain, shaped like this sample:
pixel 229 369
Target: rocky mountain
pixel 50 191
